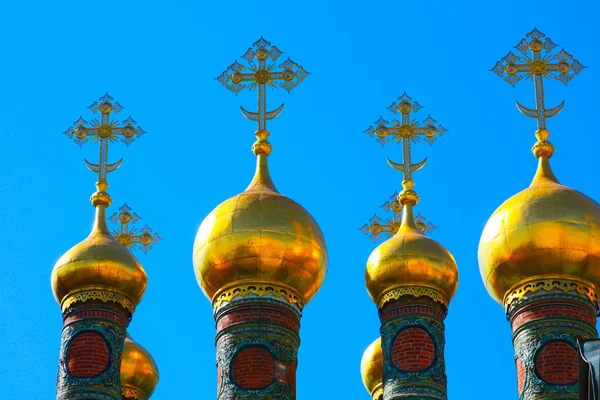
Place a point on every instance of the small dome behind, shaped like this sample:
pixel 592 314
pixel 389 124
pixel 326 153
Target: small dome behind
pixel 547 231
pixel 139 373
pixel 99 264
pixel 260 237
pixel 371 369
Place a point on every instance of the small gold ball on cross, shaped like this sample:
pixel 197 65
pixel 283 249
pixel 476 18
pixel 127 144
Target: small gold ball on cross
pixel 396 206
pixel 563 67
pixel 236 77
pixel 375 229
pixel 511 68
pixel 288 75
pixel 421 226
pixel 261 53
pixel 537 67
pixel 128 131
pixel 125 217
pixel 124 240
pixel 430 131
pixel 146 239
pixel 80 132
pixel 104 131
pixel 406 131
pixel 262 76
pixel 105 107
pixel 405 107
pixel 381 131
pixel 536 45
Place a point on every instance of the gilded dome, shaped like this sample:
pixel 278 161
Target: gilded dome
pixel 260 237
pixel 411 261
pixel 371 368
pixel 546 231
pixel 139 373
pixel 99 263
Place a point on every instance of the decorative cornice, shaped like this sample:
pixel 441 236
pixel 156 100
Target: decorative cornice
pixel 243 289
pixel 97 294
pixel 377 393
pixel 414 291
pixel 562 284
pixel 133 394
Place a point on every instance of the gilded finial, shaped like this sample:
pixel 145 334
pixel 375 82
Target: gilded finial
pixel 104 131
pixel 130 237
pixel 544 62
pixel 375 229
pixel 406 131
pixel 262 71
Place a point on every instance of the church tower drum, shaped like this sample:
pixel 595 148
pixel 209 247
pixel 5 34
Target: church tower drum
pixel 539 253
pixel 259 257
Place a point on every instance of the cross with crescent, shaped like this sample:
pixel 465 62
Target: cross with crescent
pixel 406 131
pixel 544 63
pixel 391 225
pixel 130 238
pixel 105 130
pixel 261 70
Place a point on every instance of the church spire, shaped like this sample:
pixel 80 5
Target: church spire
pixel 259 257
pixel 539 252
pixel 98 283
pixel 410 277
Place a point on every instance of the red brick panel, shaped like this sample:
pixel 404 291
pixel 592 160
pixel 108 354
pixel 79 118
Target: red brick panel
pixel 520 376
pixel 411 309
pixel 413 350
pixel 258 315
pixel 554 310
pixel 254 368
pixel 556 363
pixel 96 314
pixel 88 355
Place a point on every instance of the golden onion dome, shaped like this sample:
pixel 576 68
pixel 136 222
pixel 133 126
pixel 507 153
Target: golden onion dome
pixel 260 241
pixel 411 263
pixel 99 267
pixel 371 369
pixel 546 232
pixel 139 373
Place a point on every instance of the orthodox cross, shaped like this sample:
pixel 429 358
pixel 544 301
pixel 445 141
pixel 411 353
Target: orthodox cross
pixel 105 130
pixel 544 63
pixel 406 131
pixel 131 238
pixel 391 225
pixel 262 71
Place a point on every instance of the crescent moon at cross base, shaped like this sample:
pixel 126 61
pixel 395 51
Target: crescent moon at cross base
pixel 109 167
pixel 534 114
pixel 253 116
pixel 413 167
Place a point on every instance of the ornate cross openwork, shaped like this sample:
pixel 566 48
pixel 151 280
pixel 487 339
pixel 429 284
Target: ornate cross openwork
pixel 104 131
pixel 406 131
pixel 262 71
pixel 131 238
pixel 544 63
pixel 375 228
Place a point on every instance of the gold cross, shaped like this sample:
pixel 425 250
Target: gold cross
pixel 261 71
pixel 391 225
pixel 104 131
pixel 406 131
pixel 130 238
pixel 557 65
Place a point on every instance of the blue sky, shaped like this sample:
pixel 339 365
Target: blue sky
pixel 159 60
